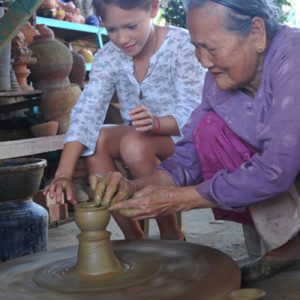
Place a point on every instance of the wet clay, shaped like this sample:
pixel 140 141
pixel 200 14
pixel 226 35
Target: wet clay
pixel 135 270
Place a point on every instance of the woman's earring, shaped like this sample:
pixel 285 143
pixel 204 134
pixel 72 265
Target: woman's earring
pixel 260 49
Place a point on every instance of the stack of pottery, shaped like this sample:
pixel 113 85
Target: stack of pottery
pixel 8 81
pixel 23 223
pixel 22 58
pixel 51 74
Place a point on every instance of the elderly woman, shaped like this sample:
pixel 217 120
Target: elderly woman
pixel 240 154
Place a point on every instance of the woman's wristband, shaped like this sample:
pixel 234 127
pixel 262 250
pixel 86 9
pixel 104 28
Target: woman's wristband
pixel 156 125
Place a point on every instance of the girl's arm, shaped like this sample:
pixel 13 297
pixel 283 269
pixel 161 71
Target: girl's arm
pixel 144 121
pixel 62 181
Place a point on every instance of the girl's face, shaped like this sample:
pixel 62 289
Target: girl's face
pixel 130 29
pixel 233 60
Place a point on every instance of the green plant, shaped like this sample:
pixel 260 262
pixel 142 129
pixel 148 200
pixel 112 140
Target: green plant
pixel 175 15
pixel 284 4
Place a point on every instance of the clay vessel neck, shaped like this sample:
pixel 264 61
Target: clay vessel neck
pixel 95 254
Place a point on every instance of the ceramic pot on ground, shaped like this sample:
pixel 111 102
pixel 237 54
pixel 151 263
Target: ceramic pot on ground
pixel 23 223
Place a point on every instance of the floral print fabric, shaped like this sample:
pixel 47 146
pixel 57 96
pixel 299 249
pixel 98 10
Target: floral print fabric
pixel 172 86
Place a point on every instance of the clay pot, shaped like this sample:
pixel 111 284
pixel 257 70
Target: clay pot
pixel 46 4
pixel 64 122
pixel 23 173
pixel 54 63
pixel 248 294
pixel 22 72
pixel 92 221
pixel 77 74
pixel 23 223
pixel 87 54
pixel 45 129
pixel 29 32
pixel 56 104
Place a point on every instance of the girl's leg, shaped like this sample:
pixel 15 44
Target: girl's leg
pixel 141 153
pixel 107 150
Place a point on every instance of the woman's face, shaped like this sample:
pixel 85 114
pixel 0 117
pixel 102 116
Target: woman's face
pixel 129 30
pixel 233 60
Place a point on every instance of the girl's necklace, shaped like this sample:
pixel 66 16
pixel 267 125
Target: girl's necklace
pixel 141 96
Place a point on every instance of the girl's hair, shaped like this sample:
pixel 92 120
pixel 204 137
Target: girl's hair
pixel 99 5
pixel 239 14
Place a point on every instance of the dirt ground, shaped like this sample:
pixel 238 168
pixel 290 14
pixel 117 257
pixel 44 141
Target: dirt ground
pixel 199 227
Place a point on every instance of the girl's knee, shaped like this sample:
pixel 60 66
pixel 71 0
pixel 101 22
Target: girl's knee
pixel 133 147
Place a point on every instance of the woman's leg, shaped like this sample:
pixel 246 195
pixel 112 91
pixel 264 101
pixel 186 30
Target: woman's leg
pixel 141 153
pixel 219 148
pixel 103 161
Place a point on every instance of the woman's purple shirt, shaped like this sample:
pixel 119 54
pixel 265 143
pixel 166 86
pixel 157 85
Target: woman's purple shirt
pixel 270 122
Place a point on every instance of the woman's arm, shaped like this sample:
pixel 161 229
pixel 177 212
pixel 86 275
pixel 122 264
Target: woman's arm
pixel 155 201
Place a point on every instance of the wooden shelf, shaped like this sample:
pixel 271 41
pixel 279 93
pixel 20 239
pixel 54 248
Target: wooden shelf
pixel 73 31
pixel 19 148
pixel 31 99
pixel 21 93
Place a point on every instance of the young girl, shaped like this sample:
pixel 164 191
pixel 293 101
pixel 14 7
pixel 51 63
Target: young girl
pixel 158 82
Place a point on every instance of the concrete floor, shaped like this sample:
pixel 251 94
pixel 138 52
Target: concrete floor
pixel 200 227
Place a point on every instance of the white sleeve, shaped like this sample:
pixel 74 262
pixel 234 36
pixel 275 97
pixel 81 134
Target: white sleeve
pixel 88 114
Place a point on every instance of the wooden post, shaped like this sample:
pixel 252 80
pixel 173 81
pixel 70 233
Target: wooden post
pixel 14 19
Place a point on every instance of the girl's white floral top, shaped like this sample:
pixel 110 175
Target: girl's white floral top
pixel 172 86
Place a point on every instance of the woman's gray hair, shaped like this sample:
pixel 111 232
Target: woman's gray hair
pixel 240 13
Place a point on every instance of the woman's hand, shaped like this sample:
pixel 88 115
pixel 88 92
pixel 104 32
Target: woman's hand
pixel 154 201
pixel 143 120
pixel 60 184
pixel 111 188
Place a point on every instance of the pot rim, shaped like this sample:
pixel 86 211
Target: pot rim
pixel 13 165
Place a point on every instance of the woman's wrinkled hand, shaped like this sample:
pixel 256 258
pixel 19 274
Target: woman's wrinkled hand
pixel 60 184
pixel 153 201
pixel 110 188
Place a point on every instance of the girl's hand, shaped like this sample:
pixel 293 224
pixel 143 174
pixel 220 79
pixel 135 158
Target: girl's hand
pixel 110 188
pixel 154 201
pixel 60 184
pixel 142 119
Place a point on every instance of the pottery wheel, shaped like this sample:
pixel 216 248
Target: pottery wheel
pixel 150 270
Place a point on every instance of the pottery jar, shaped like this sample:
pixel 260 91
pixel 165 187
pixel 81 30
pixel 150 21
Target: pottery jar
pixel 54 63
